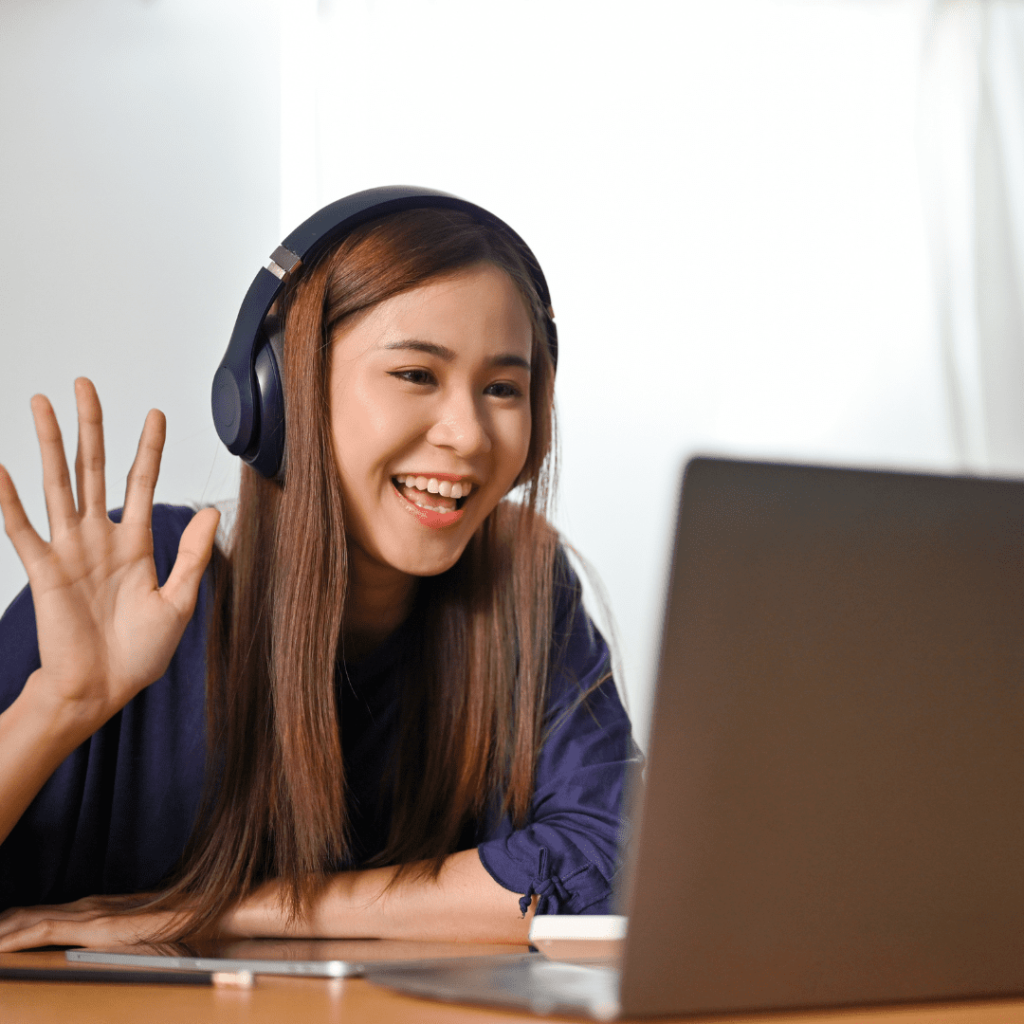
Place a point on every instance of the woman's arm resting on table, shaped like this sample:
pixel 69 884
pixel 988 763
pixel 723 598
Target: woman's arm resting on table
pixel 462 904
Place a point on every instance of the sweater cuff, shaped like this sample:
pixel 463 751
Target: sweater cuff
pixel 583 890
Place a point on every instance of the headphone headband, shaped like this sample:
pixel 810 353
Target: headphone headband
pixel 248 397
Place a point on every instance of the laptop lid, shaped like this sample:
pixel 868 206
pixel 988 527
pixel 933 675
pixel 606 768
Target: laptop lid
pixel 834 811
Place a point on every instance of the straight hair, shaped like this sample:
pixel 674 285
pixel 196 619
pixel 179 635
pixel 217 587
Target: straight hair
pixel 471 715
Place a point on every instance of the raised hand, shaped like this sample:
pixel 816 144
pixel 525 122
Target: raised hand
pixel 106 629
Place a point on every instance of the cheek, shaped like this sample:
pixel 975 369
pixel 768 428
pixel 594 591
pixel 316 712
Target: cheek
pixel 362 427
pixel 516 443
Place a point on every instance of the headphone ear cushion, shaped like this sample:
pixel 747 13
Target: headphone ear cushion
pixel 268 459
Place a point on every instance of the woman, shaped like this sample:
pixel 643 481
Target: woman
pixel 412 731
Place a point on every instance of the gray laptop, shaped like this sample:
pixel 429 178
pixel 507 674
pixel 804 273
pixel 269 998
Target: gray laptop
pixel 833 811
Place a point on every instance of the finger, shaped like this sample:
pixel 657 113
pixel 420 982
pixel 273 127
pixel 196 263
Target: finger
pixel 53 931
pixel 90 462
pixel 17 918
pixel 194 550
pixel 19 921
pixel 60 502
pixel 53 927
pixel 22 923
pixel 25 938
pixel 138 498
pixel 27 543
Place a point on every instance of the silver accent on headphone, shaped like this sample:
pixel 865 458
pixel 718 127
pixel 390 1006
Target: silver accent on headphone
pixel 282 261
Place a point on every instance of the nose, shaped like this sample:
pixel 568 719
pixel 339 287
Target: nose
pixel 460 425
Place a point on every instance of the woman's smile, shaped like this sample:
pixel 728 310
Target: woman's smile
pixel 418 487
pixel 430 411
pixel 437 499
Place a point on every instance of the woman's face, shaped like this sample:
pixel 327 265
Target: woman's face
pixel 430 400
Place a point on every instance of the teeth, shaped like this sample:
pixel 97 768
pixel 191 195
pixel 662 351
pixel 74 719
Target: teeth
pixel 432 485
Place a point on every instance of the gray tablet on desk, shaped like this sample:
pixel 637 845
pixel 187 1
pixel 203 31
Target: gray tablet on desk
pixel 313 958
pixel 258 957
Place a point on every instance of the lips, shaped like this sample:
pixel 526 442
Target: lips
pixel 437 500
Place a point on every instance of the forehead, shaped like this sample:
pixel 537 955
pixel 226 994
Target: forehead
pixel 477 308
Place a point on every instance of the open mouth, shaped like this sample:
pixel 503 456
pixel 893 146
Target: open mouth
pixel 431 494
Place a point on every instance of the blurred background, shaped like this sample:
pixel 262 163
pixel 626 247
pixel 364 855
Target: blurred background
pixel 786 229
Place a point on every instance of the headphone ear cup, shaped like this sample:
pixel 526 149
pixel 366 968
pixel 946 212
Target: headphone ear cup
pixel 268 458
pixel 249 414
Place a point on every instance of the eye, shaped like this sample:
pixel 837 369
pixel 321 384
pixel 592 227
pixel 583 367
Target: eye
pixel 503 389
pixel 416 376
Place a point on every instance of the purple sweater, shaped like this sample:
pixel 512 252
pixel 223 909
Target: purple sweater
pixel 116 814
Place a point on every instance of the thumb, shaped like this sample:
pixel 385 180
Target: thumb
pixel 194 550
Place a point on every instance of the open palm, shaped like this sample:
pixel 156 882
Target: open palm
pixel 106 628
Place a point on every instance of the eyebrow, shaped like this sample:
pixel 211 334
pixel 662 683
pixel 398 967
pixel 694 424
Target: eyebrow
pixel 446 354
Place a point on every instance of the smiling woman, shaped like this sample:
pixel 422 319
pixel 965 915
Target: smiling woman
pixel 432 385
pixel 411 726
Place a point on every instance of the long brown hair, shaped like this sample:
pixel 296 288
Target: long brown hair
pixel 275 805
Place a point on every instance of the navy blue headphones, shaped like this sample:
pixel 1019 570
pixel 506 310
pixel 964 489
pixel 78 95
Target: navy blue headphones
pixel 248 394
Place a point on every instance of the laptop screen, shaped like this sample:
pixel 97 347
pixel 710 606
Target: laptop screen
pixel 834 809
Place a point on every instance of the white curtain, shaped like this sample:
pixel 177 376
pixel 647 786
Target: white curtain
pixel 972 134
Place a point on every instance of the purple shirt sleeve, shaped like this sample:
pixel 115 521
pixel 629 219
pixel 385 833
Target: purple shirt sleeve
pixel 115 815
pixel 567 853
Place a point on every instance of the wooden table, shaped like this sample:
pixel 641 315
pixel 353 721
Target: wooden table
pixel 279 1000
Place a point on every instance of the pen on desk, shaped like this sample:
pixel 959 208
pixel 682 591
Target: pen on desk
pixel 220 979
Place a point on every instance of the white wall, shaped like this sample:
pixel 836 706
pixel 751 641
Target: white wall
pixel 724 196
pixel 139 176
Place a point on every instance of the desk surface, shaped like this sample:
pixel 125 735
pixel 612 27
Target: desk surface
pixel 314 1001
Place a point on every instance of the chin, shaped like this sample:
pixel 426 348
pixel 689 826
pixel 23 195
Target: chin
pixel 430 566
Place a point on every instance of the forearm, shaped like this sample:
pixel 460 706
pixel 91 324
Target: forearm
pixel 462 904
pixel 36 734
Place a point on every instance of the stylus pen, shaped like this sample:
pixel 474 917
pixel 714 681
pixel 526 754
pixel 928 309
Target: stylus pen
pixel 227 979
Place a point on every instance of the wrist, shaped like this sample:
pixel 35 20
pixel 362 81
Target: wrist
pixel 36 735
pixel 56 719
pixel 261 914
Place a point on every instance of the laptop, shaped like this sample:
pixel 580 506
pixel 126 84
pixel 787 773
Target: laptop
pixel 833 811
